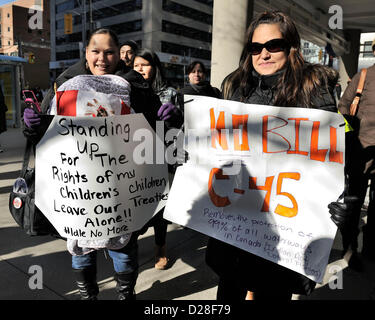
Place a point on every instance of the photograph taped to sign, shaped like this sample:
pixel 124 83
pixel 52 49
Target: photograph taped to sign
pixel 263 182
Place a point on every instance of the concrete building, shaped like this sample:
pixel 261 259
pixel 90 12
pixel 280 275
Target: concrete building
pixel 25 33
pixel 366 55
pixel 179 31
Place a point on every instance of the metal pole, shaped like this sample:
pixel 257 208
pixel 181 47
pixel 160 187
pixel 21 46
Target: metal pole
pixel 84 23
pixel 91 19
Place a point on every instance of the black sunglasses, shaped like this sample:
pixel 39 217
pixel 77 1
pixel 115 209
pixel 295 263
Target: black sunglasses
pixel 274 45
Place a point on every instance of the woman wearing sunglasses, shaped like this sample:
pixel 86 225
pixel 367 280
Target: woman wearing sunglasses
pixel 273 72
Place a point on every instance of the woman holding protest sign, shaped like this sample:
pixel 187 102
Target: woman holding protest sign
pixel 103 59
pixel 272 72
pixel 147 63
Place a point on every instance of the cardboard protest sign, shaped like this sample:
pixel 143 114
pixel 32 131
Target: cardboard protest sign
pixel 89 181
pixel 260 178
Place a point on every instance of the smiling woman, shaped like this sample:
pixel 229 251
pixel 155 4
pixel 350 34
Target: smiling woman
pixel 102 72
pixel 272 72
pixel 102 54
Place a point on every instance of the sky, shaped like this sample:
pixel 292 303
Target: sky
pixel 5 2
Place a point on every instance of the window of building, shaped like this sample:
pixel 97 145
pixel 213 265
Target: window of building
pixel 207 2
pixel 173 48
pixel 188 32
pixel 67 5
pixel 173 7
pixel 127 27
pixel 69 38
pixel 367 49
pixel 117 9
pixel 68 55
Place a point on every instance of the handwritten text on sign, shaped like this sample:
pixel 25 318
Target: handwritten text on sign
pixel 87 183
pixel 261 180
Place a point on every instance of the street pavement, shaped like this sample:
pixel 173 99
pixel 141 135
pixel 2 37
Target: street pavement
pixel 188 277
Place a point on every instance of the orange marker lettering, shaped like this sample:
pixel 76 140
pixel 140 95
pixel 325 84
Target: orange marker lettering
pixel 238 120
pixel 280 209
pixel 216 133
pixel 315 153
pixel 217 200
pixel 267 187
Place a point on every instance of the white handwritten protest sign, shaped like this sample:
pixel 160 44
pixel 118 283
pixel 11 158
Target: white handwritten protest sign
pixel 87 182
pixel 260 178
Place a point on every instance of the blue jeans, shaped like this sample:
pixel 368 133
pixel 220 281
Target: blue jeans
pixel 125 260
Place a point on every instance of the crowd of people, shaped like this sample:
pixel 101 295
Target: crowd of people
pixel 272 71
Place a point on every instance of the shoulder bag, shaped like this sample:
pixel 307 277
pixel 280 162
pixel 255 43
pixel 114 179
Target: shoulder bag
pixel 21 201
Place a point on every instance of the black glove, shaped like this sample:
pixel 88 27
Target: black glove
pixel 342 212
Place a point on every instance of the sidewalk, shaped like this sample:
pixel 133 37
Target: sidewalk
pixel 188 278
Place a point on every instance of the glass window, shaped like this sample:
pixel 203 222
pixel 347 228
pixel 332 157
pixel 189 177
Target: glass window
pixel 173 7
pixel 184 31
pixel 173 48
pixel 367 49
pixel 117 9
pixel 67 55
pixel 207 2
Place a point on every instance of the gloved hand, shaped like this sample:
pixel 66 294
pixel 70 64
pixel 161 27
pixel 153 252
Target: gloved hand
pixel 31 118
pixel 167 111
pixel 341 213
pixel 171 114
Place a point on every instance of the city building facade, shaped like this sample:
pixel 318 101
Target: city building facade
pixel 178 31
pixel 25 33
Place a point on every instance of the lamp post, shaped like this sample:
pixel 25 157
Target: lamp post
pixel 83 3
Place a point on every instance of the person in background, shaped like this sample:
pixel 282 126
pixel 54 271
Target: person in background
pixel 198 85
pixel 103 58
pixel 147 63
pixel 127 51
pixel 361 167
pixel 271 72
pixel 38 94
pixel 3 120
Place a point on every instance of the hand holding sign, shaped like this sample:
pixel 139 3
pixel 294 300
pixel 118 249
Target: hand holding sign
pixel 285 159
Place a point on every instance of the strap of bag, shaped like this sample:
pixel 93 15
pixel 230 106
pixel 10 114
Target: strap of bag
pixel 26 157
pixel 361 83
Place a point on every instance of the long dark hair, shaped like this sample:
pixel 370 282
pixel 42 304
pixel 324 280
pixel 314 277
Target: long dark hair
pixel 300 80
pixel 157 81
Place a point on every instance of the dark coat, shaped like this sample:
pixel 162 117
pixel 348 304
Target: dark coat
pixel 361 142
pixel 204 89
pixel 256 273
